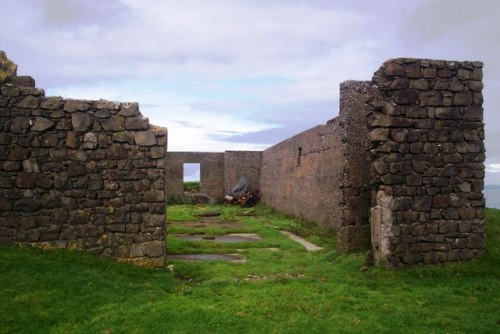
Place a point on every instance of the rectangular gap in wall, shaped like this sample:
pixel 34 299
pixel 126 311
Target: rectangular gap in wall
pixel 191 177
pixel 299 156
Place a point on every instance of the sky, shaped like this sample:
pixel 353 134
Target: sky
pixel 242 75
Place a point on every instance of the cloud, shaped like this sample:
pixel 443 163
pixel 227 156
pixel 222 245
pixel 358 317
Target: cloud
pixel 234 74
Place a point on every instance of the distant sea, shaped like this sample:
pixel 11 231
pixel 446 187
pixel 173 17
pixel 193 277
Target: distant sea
pixel 492 194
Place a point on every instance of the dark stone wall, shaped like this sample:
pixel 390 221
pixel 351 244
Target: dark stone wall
pixel 211 173
pixel 353 233
pixel 87 175
pixel 401 167
pixel 427 133
pixel 238 164
pixel 300 176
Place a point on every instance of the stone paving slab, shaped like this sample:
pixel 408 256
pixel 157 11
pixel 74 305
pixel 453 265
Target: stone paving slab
pixel 308 245
pixel 201 224
pixel 232 237
pixel 237 258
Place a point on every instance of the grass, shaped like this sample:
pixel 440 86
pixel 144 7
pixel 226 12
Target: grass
pixel 192 186
pixel 285 291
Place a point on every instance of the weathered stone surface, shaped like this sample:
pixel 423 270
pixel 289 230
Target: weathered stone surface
pixel 9 90
pixel 414 133
pixel 26 180
pixel 129 110
pixel 145 138
pixel 52 103
pixel 81 122
pixel 42 124
pixel 154 196
pixel 157 152
pixel 115 123
pixel 107 105
pixel 8 69
pixel 20 125
pixel 27 205
pixel 440 148
pixel 11 166
pixel 137 123
pixel 117 152
pixel 76 170
pixel 75 105
pixel 29 102
pixel 379 134
pixel 89 141
pixel 59 165
pixel 18 153
pixel 124 137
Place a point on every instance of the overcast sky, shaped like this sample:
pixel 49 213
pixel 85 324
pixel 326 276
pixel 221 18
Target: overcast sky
pixel 237 75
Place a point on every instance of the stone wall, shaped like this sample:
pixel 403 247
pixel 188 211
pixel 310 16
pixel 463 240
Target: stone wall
pixel 211 173
pixel 86 175
pixel 353 232
pixel 239 164
pixel 427 174
pixel 300 176
pixel 401 167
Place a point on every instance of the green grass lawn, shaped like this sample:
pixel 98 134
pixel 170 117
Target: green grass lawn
pixel 284 291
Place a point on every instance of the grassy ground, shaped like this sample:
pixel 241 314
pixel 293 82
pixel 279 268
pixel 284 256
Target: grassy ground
pixel 285 291
pixel 192 186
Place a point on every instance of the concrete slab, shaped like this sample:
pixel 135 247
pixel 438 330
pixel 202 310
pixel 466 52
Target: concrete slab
pixel 202 224
pixel 236 258
pixel 208 214
pixel 232 237
pixel 308 245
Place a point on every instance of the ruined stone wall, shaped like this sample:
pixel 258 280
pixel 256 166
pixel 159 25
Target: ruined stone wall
pixel 211 173
pixel 86 175
pixel 238 164
pixel 427 173
pixel 353 233
pixel 300 176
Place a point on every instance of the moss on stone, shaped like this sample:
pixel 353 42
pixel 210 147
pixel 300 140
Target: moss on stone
pixel 7 68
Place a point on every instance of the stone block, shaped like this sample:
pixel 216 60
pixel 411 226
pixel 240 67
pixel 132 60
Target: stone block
pixel 116 152
pixel 154 196
pixel 18 153
pixel 71 105
pixel 379 135
pixel 448 113
pixel 137 123
pixel 50 140
pixel 27 205
pixel 42 124
pixel 145 138
pixel 154 249
pixel 52 103
pixel 462 99
pixel 104 105
pixel 26 180
pixel 124 137
pixel 154 220
pixel 413 71
pixel 11 166
pixel 419 84
pixel 129 110
pixel 20 125
pixel 9 90
pixel 81 122
pixel 114 123
pixel 394 69
pixel 29 102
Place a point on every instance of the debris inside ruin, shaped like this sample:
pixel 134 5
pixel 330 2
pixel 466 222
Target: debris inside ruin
pixel 242 196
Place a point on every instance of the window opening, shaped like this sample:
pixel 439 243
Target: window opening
pixel 191 177
pixel 299 156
